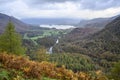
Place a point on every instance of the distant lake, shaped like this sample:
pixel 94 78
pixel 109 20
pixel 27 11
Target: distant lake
pixel 58 26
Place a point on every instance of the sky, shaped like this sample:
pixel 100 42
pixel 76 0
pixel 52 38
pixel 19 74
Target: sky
pixel 83 9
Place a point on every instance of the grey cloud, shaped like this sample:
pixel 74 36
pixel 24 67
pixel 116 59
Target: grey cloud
pixel 99 4
pixel 41 4
pixel 85 4
pixel 49 1
pixel 3 1
pixel 6 1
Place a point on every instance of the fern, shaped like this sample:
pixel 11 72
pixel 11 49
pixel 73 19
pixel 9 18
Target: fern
pixel 4 75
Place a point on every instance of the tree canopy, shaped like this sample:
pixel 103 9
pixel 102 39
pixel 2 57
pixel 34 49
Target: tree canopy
pixel 10 41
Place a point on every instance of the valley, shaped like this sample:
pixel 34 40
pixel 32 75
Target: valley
pixel 89 47
pixel 98 44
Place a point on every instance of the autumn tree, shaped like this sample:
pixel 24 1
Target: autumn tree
pixel 10 41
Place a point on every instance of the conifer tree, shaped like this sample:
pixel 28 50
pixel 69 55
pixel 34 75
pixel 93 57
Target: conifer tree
pixel 10 41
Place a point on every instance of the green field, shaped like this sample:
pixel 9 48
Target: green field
pixel 46 33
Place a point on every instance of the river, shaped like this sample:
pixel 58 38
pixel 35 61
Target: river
pixel 50 51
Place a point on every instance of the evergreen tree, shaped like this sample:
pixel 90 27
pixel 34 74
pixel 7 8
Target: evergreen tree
pixel 10 41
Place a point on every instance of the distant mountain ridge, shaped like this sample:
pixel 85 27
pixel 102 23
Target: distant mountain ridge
pixel 49 21
pixel 19 25
pixel 97 22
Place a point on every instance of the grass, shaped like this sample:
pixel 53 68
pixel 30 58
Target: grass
pixel 36 37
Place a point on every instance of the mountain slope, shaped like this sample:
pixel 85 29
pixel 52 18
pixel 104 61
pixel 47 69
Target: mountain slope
pixel 97 22
pixel 107 39
pixel 20 26
pixel 103 46
pixel 113 28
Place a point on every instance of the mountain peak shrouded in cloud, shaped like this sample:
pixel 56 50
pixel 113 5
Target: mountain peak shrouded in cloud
pixel 83 9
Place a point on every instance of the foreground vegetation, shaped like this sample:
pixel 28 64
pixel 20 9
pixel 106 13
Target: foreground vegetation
pixel 21 68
